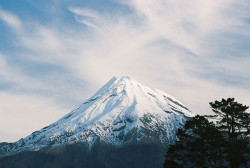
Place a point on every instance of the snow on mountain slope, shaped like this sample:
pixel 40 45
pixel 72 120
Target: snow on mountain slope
pixel 122 112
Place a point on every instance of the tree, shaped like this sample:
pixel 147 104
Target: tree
pixel 233 121
pixel 231 117
pixel 205 144
pixel 198 145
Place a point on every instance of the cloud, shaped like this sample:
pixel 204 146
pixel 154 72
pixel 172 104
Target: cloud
pixel 84 12
pixel 193 50
pixel 176 36
pixel 10 19
pixel 20 112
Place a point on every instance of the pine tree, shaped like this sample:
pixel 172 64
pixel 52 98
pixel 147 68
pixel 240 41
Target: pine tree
pixel 231 116
pixel 233 120
pixel 199 145
pixel 204 144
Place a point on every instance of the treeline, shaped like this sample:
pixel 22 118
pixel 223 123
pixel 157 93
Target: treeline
pixel 216 141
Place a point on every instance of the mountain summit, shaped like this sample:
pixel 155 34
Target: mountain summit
pixel 122 112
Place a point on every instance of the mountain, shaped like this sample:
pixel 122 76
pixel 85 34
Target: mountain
pixel 122 115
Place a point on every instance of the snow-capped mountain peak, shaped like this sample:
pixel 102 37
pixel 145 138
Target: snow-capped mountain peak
pixel 122 112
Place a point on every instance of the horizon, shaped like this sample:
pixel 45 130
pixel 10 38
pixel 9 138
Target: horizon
pixel 55 54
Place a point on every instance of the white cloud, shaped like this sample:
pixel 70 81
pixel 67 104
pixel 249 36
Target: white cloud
pixel 23 114
pixel 163 44
pixel 14 76
pixel 85 12
pixel 10 19
pixel 168 41
pixel 41 38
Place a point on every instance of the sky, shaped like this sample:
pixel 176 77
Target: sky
pixel 54 54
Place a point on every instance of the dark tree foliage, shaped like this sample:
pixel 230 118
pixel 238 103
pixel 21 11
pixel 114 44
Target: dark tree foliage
pixel 234 122
pixel 232 118
pixel 204 144
pixel 199 146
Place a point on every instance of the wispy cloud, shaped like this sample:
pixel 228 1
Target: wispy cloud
pixel 195 50
pixel 10 19
pixel 20 112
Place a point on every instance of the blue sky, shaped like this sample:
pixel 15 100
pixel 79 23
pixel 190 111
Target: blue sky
pixel 55 54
